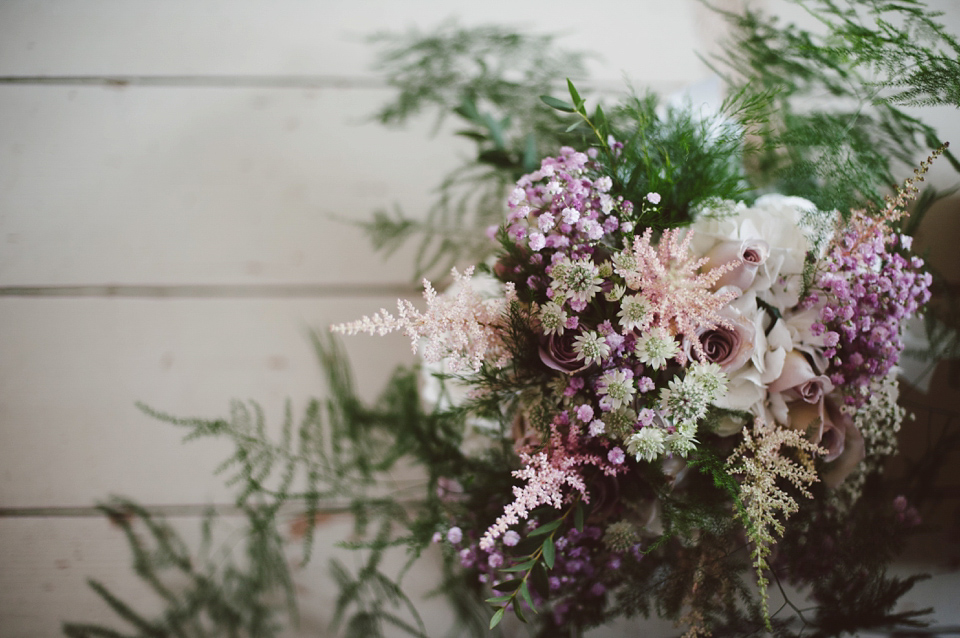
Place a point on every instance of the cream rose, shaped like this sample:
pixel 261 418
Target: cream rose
pixel 748 255
pixel 775 220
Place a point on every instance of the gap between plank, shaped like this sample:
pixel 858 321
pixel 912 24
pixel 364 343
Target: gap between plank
pixel 223 291
pixel 241 81
pixel 267 81
pixel 293 507
pixel 167 511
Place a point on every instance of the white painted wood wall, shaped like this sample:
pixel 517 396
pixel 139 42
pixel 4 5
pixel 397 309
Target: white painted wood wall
pixel 170 241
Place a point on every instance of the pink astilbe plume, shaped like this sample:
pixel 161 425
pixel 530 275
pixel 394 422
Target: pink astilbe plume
pixel 545 482
pixel 681 300
pixel 462 328
pixel 546 477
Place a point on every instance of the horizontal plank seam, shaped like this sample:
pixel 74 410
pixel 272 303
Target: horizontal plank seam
pixel 291 507
pixel 241 81
pixel 169 511
pixel 152 291
pixel 251 81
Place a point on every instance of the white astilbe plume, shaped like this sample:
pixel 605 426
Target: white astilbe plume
pixel 759 462
pixel 461 328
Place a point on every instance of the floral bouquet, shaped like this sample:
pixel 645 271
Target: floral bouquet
pixel 671 391
pixel 670 382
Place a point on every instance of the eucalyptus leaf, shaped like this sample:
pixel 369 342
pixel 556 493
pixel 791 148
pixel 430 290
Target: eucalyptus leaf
pixel 549 552
pixel 507 584
pixel 546 528
pixel 519 613
pixel 575 96
pixel 520 567
pixel 525 594
pixel 559 105
pixel 497 617
pixel 473 135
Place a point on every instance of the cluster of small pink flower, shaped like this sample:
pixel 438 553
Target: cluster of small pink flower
pixel 871 290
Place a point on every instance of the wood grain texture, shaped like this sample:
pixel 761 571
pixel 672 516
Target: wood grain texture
pixel 324 37
pixel 204 185
pixel 74 369
pixel 47 562
pixel 182 224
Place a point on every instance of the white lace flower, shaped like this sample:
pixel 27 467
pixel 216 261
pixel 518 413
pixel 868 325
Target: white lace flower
pixel 618 388
pixel 578 280
pixel 634 313
pixel 682 441
pixel 710 377
pixel 655 348
pixel 615 293
pixel 646 444
pixel 553 318
pixel 591 346
pixel 684 401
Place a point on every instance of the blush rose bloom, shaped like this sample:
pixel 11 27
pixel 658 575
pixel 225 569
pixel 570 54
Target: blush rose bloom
pixel 797 382
pixel 556 352
pixel 836 433
pixel 776 220
pixel 730 346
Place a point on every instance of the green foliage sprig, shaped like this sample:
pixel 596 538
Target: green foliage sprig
pixel 205 592
pixel 831 127
pixel 339 454
pixel 487 80
pixel 688 158
pixel 541 558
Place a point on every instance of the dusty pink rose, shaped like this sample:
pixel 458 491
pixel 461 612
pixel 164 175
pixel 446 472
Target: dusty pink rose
pixel 825 426
pixel 798 380
pixel 730 346
pixel 749 254
pixel 852 450
pixel 556 351
pixel 832 430
pixel 807 417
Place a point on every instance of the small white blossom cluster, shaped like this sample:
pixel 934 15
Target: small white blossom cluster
pixel 683 403
pixel 880 418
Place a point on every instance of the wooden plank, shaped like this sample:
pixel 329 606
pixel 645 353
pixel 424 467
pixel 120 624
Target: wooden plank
pixel 213 186
pixel 204 186
pixel 72 370
pixel 46 562
pixel 291 37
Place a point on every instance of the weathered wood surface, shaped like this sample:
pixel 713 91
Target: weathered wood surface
pixel 168 173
